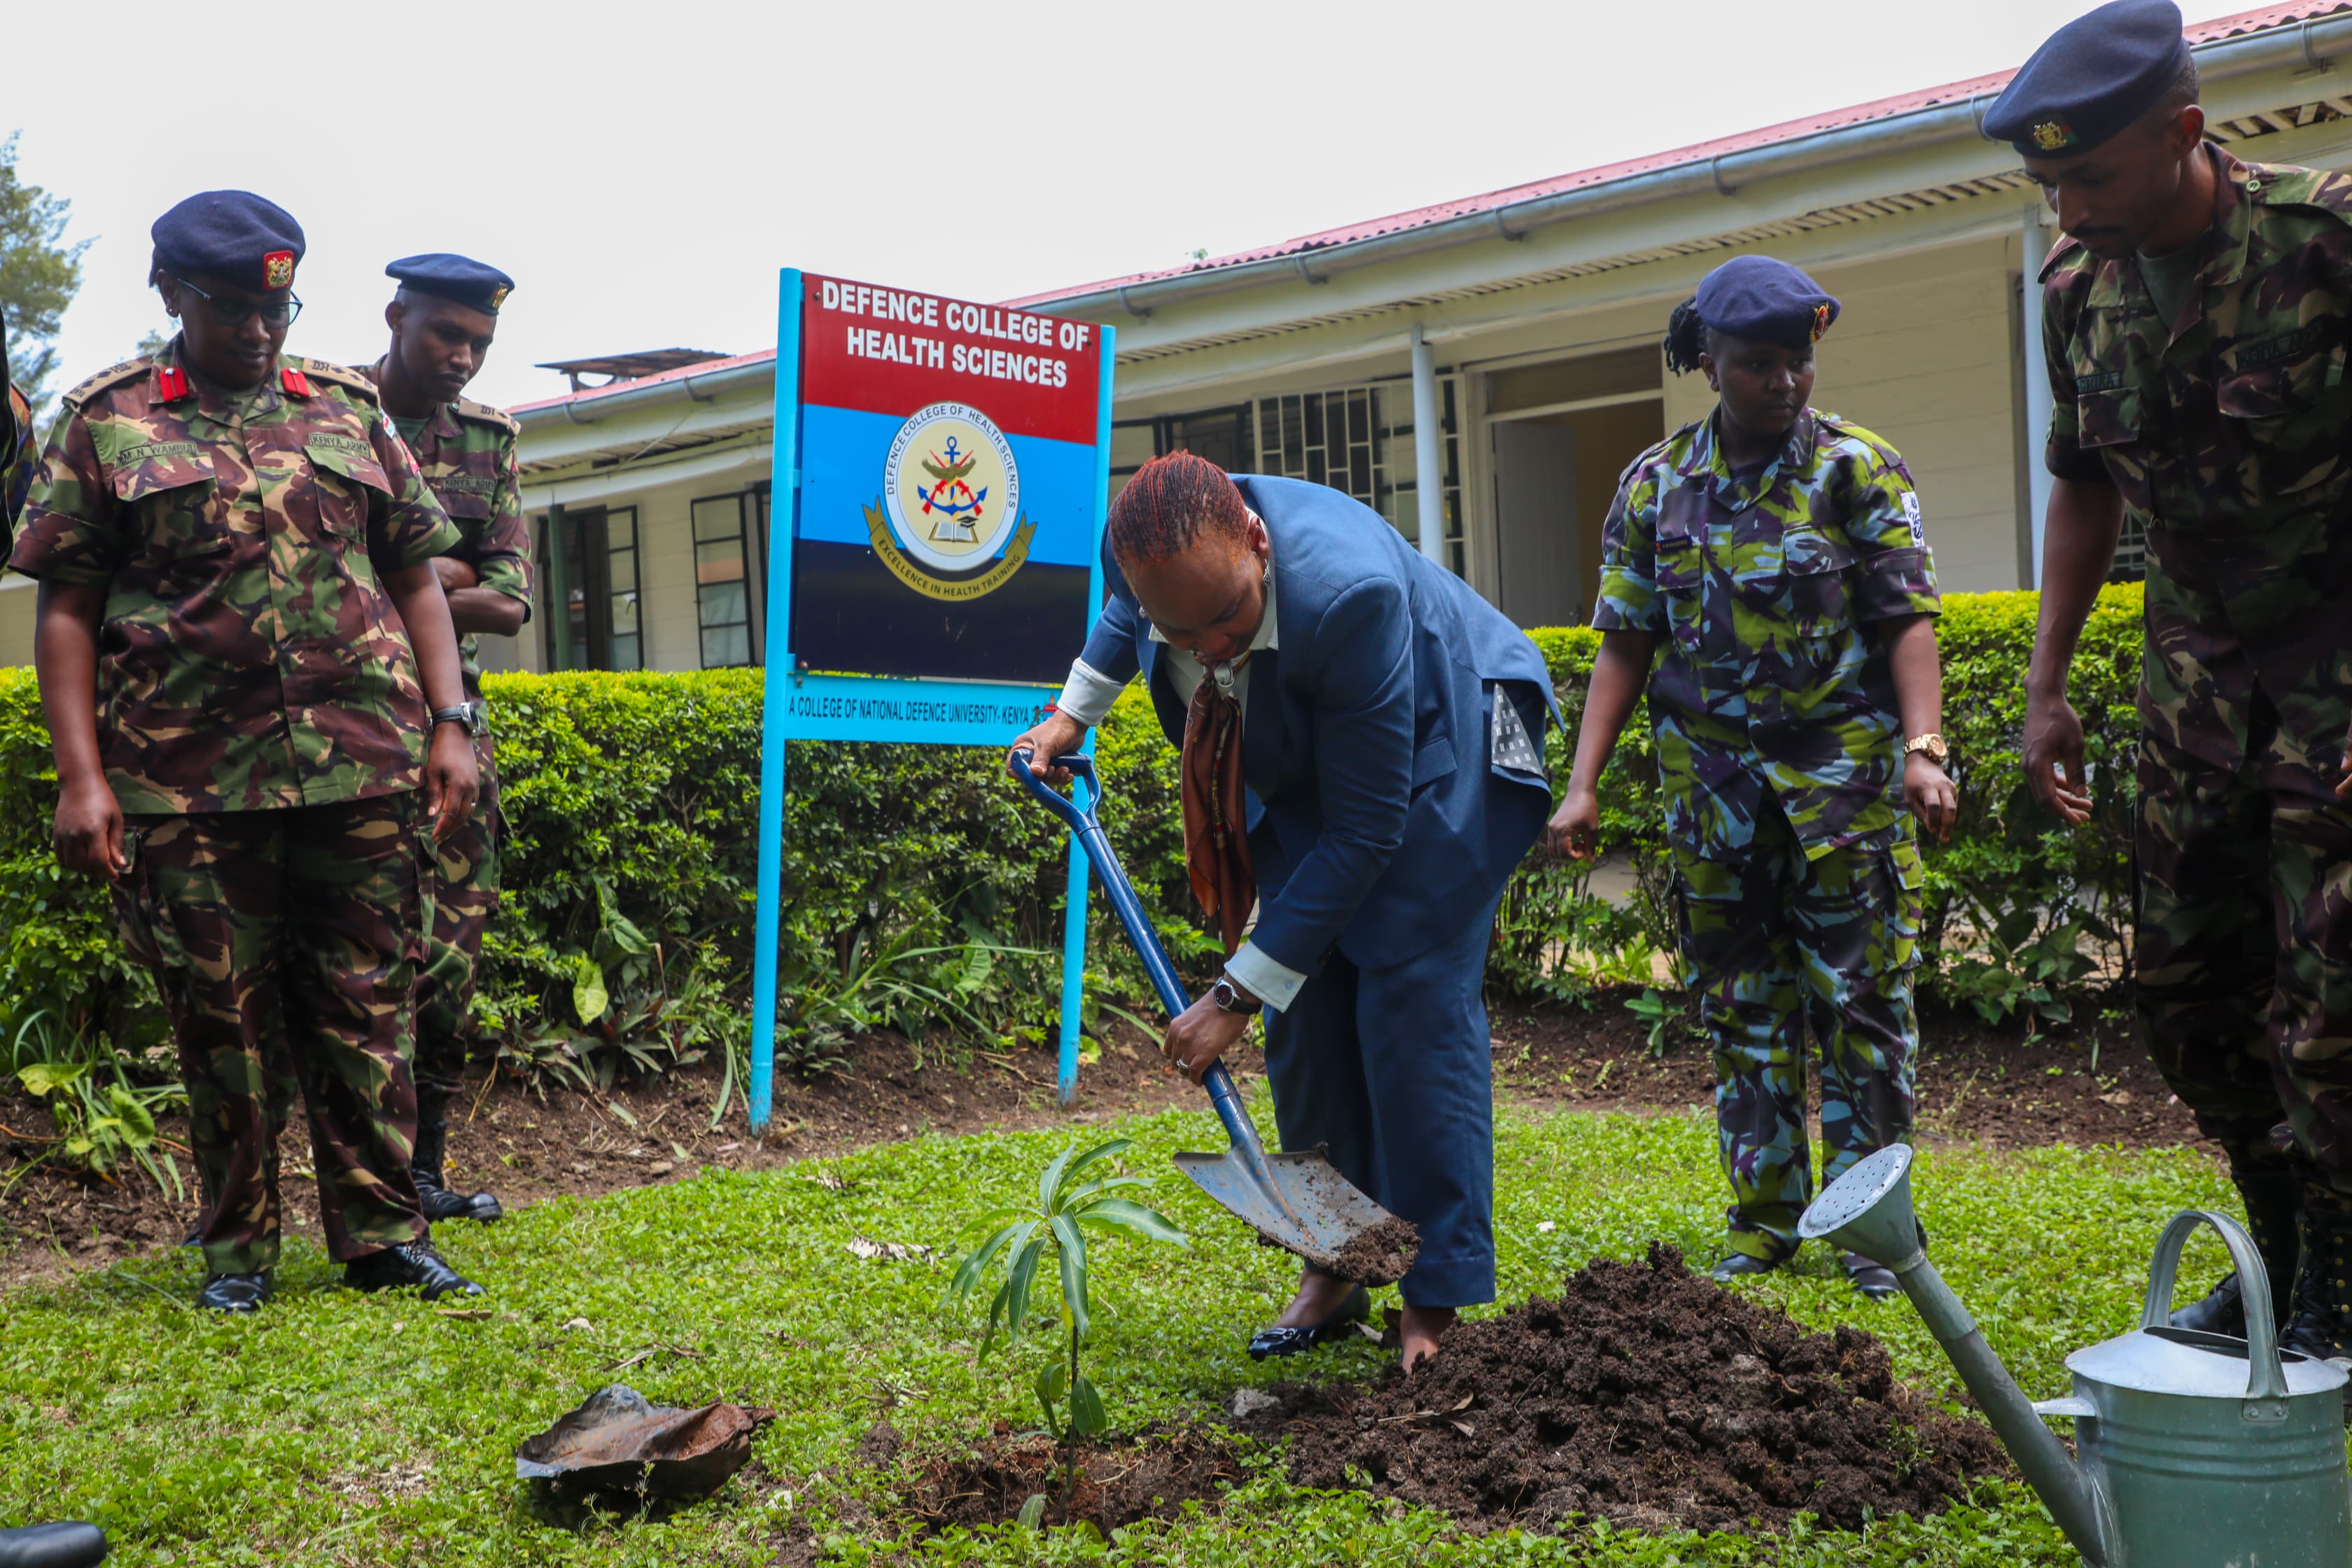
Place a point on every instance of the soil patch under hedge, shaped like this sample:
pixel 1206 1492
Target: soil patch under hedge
pixel 1975 1082
pixel 1646 1395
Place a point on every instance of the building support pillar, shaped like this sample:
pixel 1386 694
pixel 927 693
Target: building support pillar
pixel 558 587
pixel 1428 448
pixel 2041 234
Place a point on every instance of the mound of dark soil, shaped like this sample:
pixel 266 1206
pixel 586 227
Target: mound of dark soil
pixel 1649 1396
pixel 1150 1478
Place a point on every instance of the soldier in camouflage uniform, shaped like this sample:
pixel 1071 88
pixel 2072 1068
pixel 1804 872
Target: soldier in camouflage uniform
pixel 2197 322
pixel 239 631
pixel 443 320
pixel 1778 553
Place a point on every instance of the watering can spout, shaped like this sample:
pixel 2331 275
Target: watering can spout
pixel 1868 1210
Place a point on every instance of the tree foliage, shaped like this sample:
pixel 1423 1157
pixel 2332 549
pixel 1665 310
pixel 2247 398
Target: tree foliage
pixel 40 275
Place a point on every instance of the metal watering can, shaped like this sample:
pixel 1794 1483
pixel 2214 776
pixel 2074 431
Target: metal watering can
pixel 2192 1450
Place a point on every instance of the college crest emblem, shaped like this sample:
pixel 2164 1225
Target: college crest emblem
pixel 2052 135
pixel 278 269
pixel 949 523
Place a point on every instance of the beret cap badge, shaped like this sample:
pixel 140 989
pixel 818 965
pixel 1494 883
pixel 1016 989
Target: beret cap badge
pixel 1822 313
pixel 498 298
pixel 2052 135
pixel 278 269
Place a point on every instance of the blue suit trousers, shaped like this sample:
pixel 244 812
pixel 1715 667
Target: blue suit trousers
pixel 1392 1070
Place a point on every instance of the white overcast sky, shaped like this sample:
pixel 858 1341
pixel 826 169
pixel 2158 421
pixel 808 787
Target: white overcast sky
pixel 643 170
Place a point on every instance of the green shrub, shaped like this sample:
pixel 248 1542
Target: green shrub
pixel 630 807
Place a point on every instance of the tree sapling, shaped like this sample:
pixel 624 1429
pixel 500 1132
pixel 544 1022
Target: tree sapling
pixel 1065 1210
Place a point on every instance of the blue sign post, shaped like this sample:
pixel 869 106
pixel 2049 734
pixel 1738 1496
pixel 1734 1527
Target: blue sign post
pixel 942 471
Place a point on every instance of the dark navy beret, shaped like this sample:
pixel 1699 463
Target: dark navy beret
pixel 2094 77
pixel 1756 297
pixel 457 277
pixel 234 235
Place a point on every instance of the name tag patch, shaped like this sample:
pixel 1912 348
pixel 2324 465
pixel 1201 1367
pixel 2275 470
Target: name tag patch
pixel 2102 380
pixel 472 484
pixel 349 446
pixel 154 450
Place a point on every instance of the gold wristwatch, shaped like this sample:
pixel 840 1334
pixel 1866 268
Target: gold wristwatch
pixel 1931 745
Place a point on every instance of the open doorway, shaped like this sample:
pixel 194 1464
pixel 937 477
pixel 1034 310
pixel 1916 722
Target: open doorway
pixel 1562 432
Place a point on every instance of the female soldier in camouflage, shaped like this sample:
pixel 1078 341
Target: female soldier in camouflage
pixel 253 692
pixel 1778 553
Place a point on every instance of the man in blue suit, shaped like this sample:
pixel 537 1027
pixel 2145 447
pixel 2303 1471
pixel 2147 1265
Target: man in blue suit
pixel 1362 741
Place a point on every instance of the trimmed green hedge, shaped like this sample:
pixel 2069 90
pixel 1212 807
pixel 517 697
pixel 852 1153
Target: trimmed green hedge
pixel 630 801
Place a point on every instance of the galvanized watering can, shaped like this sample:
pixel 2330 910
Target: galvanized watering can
pixel 2192 1450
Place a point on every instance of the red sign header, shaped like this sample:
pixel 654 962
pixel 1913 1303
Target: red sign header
pixel 889 351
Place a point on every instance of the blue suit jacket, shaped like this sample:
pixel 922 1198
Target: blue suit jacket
pixel 1366 746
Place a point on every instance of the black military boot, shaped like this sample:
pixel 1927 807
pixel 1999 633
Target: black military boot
pixel 412 1263
pixel 2321 1326
pixel 2274 1200
pixel 427 1167
pixel 233 1293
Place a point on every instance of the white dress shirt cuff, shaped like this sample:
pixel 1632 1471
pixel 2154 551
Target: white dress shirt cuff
pixel 1087 695
pixel 1273 982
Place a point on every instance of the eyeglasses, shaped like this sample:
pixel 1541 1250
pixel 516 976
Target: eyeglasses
pixel 236 313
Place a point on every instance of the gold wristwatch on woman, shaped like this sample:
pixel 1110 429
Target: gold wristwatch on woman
pixel 1931 745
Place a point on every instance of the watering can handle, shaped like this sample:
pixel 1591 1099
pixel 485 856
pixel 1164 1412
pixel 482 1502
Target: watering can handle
pixel 2265 1378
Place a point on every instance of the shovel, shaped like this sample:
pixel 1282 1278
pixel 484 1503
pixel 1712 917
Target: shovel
pixel 1295 1200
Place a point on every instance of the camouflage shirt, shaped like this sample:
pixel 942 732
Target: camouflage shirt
pixel 467 453
pixel 1761 585
pixel 248 656
pixel 18 462
pixel 2226 429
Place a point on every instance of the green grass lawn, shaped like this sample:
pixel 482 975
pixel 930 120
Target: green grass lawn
pixel 335 1428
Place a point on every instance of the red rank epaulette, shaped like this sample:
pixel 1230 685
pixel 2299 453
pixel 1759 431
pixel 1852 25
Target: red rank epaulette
pixel 296 383
pixel 171 383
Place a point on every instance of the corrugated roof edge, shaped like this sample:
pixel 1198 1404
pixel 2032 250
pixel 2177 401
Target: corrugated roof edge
pixel 2214 31
pixel 2237 25
pixel 669 377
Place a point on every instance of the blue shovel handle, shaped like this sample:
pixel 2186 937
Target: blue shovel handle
pixel 1082 822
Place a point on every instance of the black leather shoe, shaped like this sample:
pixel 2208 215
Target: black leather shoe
pixel 412 1263
pixel 1740 1266
pixel 53 1546
pixel 439 1203
pixel 1873 1278
pixel 1353 1308
pixel 233 1293
pixel 2273 1202
pixel 428 1165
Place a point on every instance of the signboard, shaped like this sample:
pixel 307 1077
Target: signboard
pixel 941 473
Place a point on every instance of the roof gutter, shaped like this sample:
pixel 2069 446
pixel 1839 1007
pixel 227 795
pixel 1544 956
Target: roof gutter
pixel 690 387
pixel 2305 47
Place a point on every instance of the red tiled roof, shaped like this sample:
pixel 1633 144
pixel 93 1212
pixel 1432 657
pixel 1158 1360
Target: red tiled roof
pixel 1769 135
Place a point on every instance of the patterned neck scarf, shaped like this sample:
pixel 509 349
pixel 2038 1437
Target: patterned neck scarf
pixel 1216 821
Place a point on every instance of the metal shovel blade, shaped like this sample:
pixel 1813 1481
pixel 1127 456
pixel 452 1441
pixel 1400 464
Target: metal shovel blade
pixel 1298 1202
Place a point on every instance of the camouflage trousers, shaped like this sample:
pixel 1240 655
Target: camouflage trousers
pixel 1778 948
pixel 463 893
pixel 2243 878
pixel 288 938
